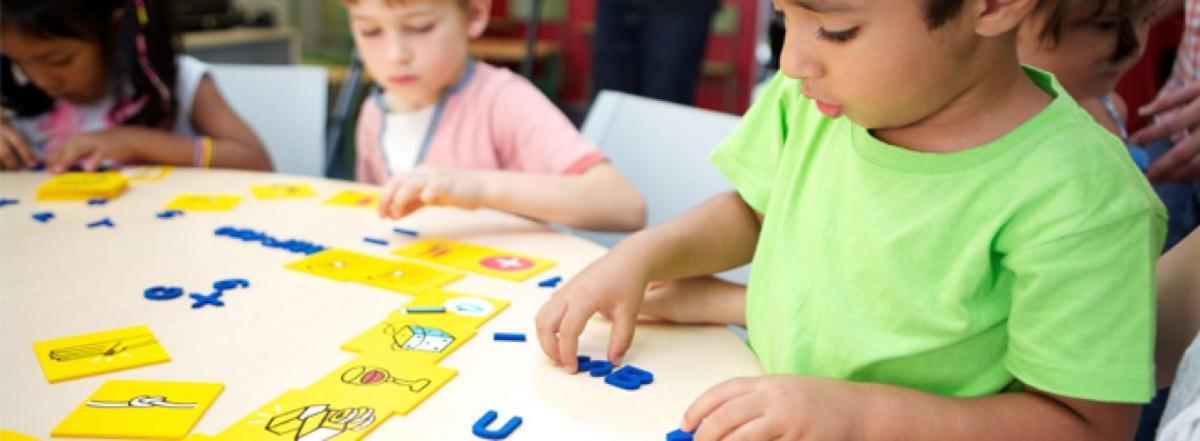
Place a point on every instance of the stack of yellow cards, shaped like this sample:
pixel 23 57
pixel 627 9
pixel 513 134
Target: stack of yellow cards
pixel 78 356
pixel 78 186
pixel 140 409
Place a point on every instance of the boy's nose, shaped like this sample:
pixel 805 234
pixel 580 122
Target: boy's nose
pixel 400 52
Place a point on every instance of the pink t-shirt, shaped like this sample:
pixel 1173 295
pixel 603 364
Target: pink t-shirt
pixel 497 121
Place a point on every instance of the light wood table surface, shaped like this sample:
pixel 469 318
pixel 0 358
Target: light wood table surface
pixel 62 278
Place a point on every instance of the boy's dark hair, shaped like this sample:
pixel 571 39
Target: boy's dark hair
pixel 95 20
pixel 1128 13
pixel 938 12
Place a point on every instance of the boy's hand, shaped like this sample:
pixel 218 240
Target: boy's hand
pixel 14 151
pixel 694 301
pixel 1177 115
pixel 93 148
pixel 427 185
pixel 612 286
pixel 783 407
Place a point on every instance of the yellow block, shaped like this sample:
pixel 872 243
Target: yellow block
pixel 382 380
pixel 462 310
pixel 339 264
pixel 78 356
pixel 354 198
pixel 12 435
pixel 146 173
pixel 475 258
pixel 204 202
pixel 410 338
pixel 302 416
pixel 407 277
pixel 77 186
pixel 140 409
pixel 283 191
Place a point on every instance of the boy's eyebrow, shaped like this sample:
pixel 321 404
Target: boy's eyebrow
pixel 824 6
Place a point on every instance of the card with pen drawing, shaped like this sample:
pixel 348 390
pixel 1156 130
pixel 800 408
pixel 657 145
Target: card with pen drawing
pixel 68 358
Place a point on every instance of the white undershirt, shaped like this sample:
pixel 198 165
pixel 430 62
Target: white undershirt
pixel 403 133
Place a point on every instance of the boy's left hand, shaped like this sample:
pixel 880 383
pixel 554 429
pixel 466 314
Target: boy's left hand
pixel 777 407
pixel 93 148
pixel 429 185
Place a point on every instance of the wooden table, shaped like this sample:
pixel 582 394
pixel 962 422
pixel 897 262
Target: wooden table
pixel 61 278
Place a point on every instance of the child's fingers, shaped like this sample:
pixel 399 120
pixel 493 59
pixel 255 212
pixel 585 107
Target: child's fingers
pixel 1168 165
pixel 574 320
pixel 407 197
pixel 548 319
pixel 386 198
pixel 758 428
pixel 1171 99
pixel 437 193
pixel 712 399
pixel 18 145
pixel 728 417
pixel 8 158
pixel 621 336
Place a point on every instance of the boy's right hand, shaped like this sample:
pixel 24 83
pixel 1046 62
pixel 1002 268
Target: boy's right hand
pixel 429 185
pixel 612 286
pixel 14 151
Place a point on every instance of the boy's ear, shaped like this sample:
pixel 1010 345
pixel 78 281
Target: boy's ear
pixel 997 17
pixel 478 14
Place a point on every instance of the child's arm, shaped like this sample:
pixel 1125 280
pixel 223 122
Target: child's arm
pixel 234 144
pixel 704 300
pixel 599 198
pixel 14 150
pixel 796 407
pixel 1178 305
pixel 718 235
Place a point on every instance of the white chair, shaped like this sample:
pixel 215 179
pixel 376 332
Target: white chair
pixel 285 105
pixel 662 148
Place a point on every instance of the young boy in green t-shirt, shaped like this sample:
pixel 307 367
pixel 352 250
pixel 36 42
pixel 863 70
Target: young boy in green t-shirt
pixel 945 245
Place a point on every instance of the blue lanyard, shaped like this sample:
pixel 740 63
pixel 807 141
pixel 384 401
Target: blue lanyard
pixel 437 112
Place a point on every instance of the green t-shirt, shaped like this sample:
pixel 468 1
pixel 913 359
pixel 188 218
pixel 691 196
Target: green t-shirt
pixel 1029 258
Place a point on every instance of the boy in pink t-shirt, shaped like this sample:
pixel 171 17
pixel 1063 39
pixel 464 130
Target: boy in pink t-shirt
pixel 444 129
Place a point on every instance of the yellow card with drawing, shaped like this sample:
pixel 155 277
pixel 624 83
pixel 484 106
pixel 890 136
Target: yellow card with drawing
pixel 78 356
pixel 283 190
pixel 77 186
pixel 458 310
pixel 384 381
pixel 408 277
pixel 140 409
pixel 340 264
pixel 204 202
pixel 475 258
pixel 410 338
pixel 298 415
pixel 354 198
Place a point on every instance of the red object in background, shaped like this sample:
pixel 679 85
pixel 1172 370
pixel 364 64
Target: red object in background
pixel 726 93
pixel 1141 84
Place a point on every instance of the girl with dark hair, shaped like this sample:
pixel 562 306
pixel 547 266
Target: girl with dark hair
pixel 100 83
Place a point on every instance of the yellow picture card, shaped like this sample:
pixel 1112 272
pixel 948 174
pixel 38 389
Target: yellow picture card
pixel 408 277
pixel 140 409
pixel 204 202
pixel 340 264
pixel 476 258
pixel 354 198
pixel 97 353
pixel 301 416
pixel 83 185
pixel 458 310
pixel 283 190
pixel 410 338
pixel 383 381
